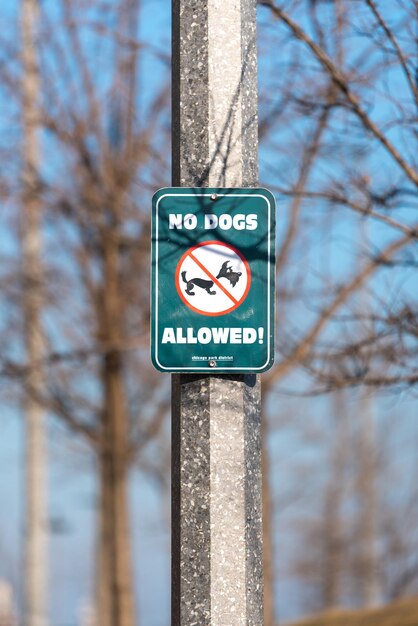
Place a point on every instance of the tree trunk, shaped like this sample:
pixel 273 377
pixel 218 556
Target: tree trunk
pixel 367 481
pixel 368 503
pixel 115 593
pixel 115 601
pixel 333 528
pixel 36 515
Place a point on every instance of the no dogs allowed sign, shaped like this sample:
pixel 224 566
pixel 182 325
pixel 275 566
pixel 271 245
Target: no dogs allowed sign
pixel 213 280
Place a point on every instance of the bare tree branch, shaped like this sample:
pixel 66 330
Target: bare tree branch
pixel 342 83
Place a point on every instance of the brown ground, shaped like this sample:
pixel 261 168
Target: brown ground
pixel 403 613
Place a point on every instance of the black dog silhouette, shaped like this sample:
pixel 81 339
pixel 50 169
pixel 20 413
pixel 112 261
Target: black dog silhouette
pixel 228 272
pixel 224 272
pixel 198 282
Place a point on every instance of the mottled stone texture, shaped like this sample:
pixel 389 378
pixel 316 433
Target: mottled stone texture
pixel 217 551
pixel 249 106
pixel 214 88
pixel 253 503
pixel 216 504
pixel 190 110
pixel 227 502
pixel 191 501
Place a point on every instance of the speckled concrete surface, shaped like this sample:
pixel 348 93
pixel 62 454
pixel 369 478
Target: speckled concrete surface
pixel 249 103
pixel 190 146
pixel 217 551
pixel 225 68
pixel 191 501
pixel 253 503
pixel 227 503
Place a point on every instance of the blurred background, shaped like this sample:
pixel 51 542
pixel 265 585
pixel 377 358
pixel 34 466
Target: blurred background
pixel 84 424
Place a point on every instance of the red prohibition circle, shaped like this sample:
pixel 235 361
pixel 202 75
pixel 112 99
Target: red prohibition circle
pixel 218 243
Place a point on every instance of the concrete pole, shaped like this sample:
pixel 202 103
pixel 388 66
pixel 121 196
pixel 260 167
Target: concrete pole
pixel 217 533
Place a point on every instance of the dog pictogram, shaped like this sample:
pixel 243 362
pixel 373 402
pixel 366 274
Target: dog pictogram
pixel 224 272
pixel 213 278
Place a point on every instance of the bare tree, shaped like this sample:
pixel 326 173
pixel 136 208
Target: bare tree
pixel 339 132
pixel 94 183
pixel 382 61
pixel 109 149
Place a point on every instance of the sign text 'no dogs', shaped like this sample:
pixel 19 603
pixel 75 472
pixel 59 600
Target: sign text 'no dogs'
pixel 213 280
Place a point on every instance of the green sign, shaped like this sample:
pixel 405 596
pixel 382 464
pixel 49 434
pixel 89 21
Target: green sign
pixel 213 280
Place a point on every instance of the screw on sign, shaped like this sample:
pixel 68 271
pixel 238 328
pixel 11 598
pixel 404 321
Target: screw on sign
pixel 213 278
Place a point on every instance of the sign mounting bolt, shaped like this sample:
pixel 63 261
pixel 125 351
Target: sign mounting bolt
pixel 212 363
pixel 214 197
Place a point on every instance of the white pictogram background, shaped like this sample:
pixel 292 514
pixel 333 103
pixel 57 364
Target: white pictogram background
pixel 205 261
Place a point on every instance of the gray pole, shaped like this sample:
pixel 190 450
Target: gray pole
pixel 217 534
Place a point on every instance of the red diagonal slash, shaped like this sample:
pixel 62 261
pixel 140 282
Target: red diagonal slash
pixel 215 280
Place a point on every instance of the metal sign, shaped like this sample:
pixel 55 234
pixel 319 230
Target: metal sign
pixel 213 280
